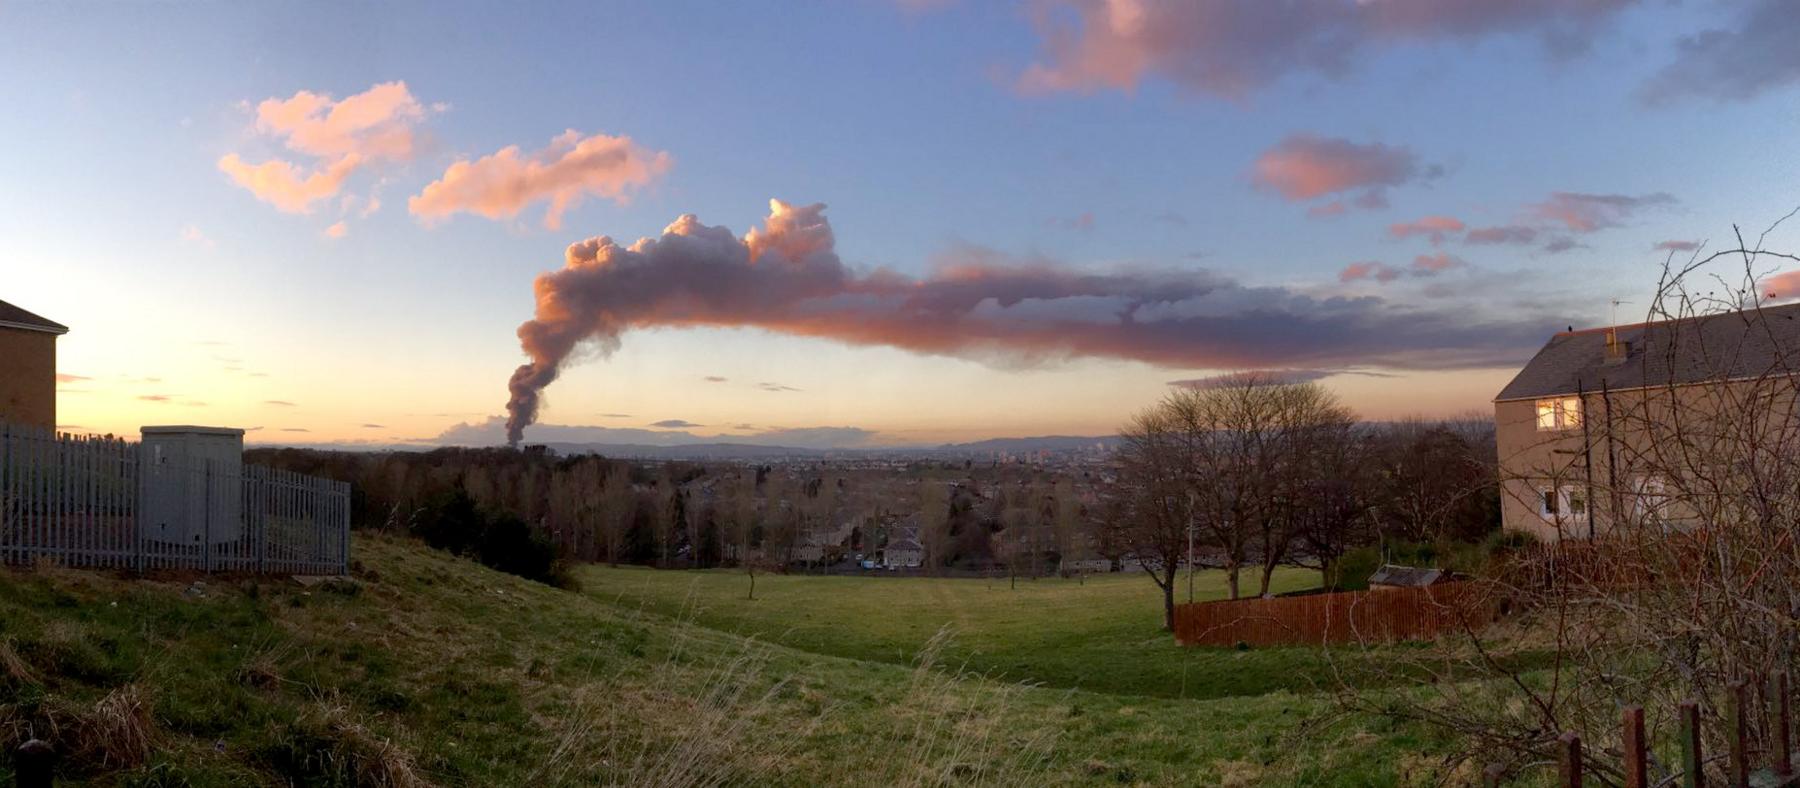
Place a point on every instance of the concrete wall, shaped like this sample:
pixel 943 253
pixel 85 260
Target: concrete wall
pixel 28 377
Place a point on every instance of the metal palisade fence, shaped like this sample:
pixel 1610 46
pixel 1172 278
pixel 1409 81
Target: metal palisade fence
pixel 86 501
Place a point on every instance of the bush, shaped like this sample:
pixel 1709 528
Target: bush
pixel 452 522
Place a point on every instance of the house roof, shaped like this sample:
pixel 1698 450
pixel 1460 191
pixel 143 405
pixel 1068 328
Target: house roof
pixel 14 317
pixel 1721 346
pixel 1393 575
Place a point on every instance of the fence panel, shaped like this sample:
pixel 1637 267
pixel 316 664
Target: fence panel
pixel 1351 616
pixel 86 501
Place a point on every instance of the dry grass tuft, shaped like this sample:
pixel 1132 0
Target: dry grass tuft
pixel 13 666
pixel 370 760
pixel 118 732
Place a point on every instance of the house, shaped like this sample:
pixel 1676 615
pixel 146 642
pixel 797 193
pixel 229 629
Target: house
pixel 1392 576
pixel 28 367
pixel 1604 427
pixel 1084 564
pixel 903 552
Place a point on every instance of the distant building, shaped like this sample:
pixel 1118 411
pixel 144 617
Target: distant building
pixel 903 553
pixel 1085 564
pixel 28 367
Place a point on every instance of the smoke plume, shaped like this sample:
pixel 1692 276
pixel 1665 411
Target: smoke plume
pixel 786 277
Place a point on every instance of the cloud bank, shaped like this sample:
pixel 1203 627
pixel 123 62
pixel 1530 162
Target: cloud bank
pixel 786 277
pixel 1232 48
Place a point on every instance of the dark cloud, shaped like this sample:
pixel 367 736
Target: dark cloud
pixel 280 403
pixel 675 424
pixel 713 379
pixel 785 277
pixel 1233 48
pixel 156 397
pixel 765 386
pixel 295 429
pixel 374 426
pixel 1563 244
pixel 1752 57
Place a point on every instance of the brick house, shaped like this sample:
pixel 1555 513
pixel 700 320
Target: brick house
pixel 28 367
pixel 1589 431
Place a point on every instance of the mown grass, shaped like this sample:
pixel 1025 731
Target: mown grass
pixel 1103 634
pixel 434 670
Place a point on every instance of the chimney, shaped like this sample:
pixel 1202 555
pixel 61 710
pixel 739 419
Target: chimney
pixel 1616 349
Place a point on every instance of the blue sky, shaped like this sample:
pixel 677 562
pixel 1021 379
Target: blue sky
pixel 909 123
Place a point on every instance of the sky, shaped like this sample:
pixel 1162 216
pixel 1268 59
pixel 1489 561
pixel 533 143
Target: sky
pixel 871 222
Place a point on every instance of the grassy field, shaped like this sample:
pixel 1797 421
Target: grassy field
pixel 1103 634
pixel 433 670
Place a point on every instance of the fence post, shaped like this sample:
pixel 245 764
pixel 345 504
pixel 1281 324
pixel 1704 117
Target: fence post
pixel 1636 771
pixel 1693 762
pixel 1568 760
pixel 1737 735
pixel 34 764
pixel 344 525
pixel 206 519
pixel 1780 736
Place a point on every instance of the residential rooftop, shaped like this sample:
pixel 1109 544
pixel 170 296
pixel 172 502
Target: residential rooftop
pixel 14 317
pixel 1712 347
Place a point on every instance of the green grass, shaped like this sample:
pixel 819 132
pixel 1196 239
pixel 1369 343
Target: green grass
pixel 438 669
pixel 1103 634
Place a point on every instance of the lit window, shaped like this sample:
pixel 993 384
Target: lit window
pixel 1562 413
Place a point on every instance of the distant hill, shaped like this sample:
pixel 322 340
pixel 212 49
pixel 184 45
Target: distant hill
pixel 1054 444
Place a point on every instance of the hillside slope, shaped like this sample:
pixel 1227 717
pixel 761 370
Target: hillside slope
pixel 434 670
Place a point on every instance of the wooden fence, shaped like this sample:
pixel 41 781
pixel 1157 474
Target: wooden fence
pixel 102 502
pixel 1350 616
pixel 1743 763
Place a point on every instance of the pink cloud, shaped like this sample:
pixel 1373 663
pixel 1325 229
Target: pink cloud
pixel 1585 213
pixel 337 231
pixel 285 186
pixel 1784 285
pixel 1304 166
pixel 1231 48
pixel 1435 227
pixel 1677 246
pixel 337 137
pixel 1368 269
pixel 501 184
pixel 1433 264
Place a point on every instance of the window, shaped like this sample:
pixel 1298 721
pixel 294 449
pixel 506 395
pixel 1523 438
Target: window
pixel 1562 413
pixel 1562 503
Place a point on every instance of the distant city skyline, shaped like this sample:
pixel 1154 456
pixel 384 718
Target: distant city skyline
pixel 323 223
